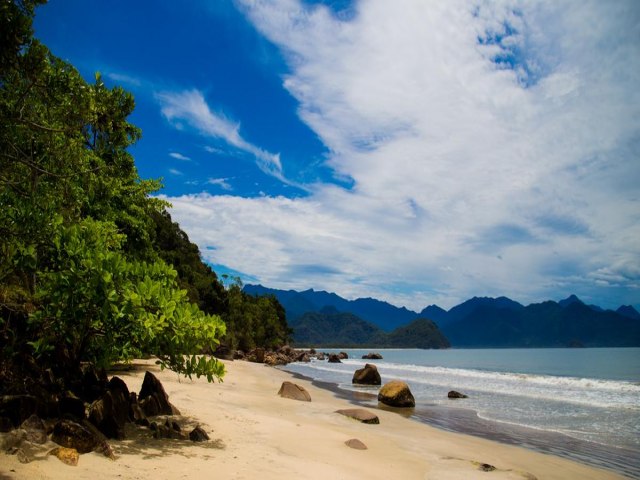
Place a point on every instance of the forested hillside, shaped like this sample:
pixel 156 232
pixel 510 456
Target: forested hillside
pixel 92 269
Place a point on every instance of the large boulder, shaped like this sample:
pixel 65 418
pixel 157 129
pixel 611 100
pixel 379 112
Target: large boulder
pixel 396 394
pixel 368 375
pixel 110 413
pixel 343 355
pixel 360 414
pixel 73 435
pixel 294 392
pixel 153 399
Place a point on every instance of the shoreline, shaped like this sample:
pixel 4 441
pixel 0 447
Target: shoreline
pixel 466 421
pixel 257 434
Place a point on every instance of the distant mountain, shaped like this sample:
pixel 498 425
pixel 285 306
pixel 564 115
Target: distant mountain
pixel 463 310
pixel 628 311
pixel 547 324
pixel 484 321
pixel 382 314
pixel 330 328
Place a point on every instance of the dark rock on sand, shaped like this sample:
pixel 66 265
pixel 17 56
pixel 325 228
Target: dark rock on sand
pixel 198 435
pixel 17 408
pixel 294 392
pixel 485 467
pixel 454 394
pixel 110 413
pixel 360 414
pixel 356 444
pixel 368 375
pixel 396 394
pixel 153 399
pixel 372 356
pixel 71 406
pixel 73 435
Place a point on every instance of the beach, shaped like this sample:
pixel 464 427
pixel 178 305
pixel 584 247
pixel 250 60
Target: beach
pixel 254 433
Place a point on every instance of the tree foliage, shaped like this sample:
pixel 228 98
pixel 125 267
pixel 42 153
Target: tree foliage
pixel 80 276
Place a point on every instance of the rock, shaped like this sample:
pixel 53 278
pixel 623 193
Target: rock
pixel 36 431
pixel 110 413
pixel 17 408
pixel 454 394
pixel 312 351
pixel 12 442
pixel 343 355
pixel 259 354
pixel 360 414
pixel 135 411
pixel 303 357
pixel 153 399
pixel 22 456
pixel 485 467
pixel 320 356
pixel 356 444
pixel 198 435
pixel 333 358
pixel 396 394
pixel 73 435
pixel 94 383
pixel 71 407
pixel 372 356
pixel 294 392
pixel 69 456
pixel 223 352
pixel 239 355
pixel 368 375
pixel 272 359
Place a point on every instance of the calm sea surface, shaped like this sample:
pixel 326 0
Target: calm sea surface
pixel 579 403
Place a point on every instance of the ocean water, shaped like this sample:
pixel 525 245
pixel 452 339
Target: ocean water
pixel 580 403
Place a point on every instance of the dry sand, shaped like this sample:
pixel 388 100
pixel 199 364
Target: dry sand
pixel 255 434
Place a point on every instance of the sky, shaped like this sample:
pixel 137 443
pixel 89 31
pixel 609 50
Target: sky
pixel 416 151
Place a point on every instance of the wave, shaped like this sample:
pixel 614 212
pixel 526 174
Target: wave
pixel 584 391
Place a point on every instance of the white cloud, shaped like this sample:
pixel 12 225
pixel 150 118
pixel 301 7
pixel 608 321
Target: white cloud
pixel 465 182
pixel 179 156
pixel 191 107
pixel 220 182
pixel 175 171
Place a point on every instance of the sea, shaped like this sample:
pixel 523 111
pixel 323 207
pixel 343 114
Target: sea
pixel 578 403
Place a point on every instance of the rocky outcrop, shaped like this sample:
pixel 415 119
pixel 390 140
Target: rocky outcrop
pixel 454 394
pixel 396 394
pixel 334 358
pixel 368 375
pixel 372 356
pixel 153 399
pixel 360 414
pixel 294 392
pixel 73 435
pixel 110 412
pixel 17 408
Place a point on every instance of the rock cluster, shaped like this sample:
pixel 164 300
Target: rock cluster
pixel 83 420
pixel 372 356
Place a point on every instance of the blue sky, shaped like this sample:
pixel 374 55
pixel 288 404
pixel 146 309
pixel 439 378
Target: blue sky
pixel 417 152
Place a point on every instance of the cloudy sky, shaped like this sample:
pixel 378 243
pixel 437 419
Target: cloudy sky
pixel 416 151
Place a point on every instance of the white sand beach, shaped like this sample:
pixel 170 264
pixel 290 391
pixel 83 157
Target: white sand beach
pixel 256 434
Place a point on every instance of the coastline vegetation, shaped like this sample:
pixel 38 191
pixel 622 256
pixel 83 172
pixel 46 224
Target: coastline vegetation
pixel 92 269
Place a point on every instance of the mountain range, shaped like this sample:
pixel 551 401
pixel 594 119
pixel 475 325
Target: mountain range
pixel 480 322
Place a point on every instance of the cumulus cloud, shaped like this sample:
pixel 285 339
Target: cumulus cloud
pixel 492 147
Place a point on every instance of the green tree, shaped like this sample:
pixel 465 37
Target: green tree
pixel 80 278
